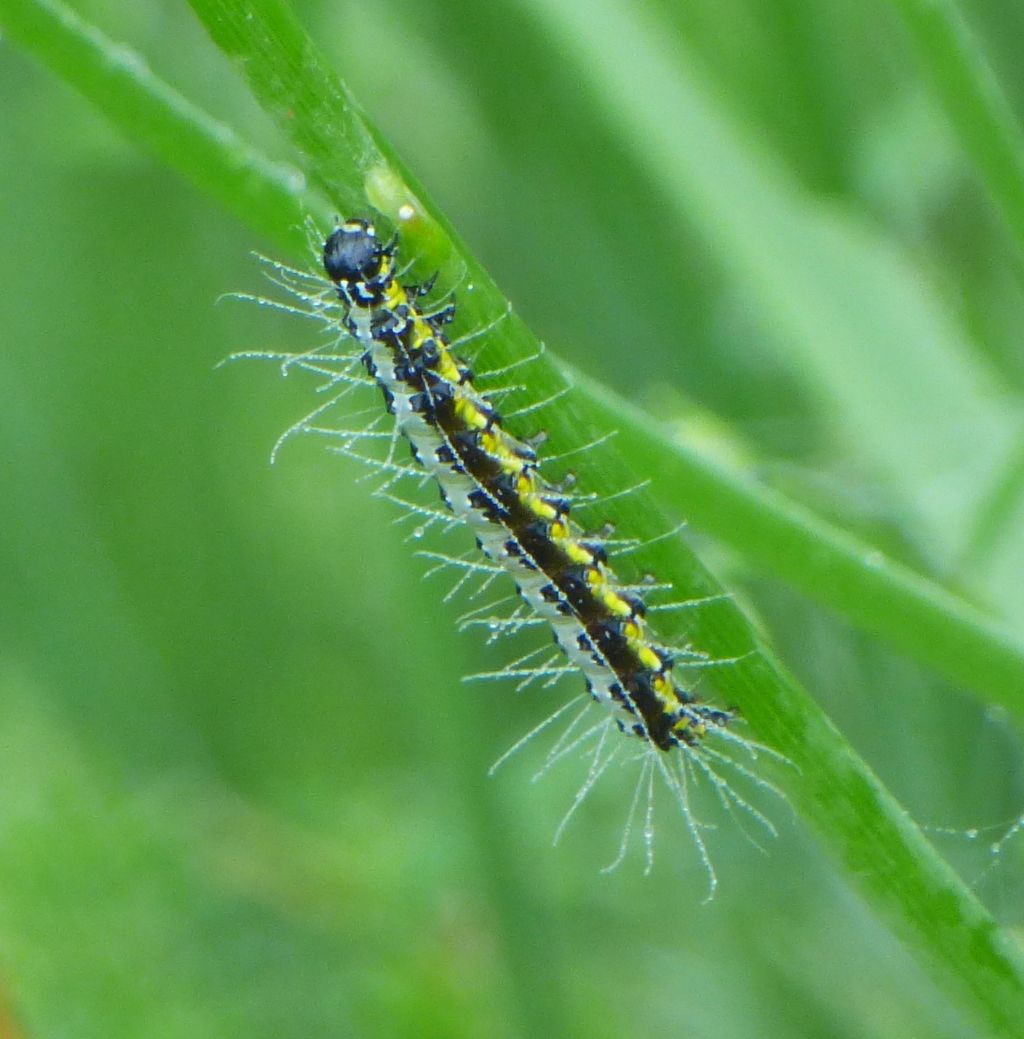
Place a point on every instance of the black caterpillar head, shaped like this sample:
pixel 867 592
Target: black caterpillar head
pixel 354 253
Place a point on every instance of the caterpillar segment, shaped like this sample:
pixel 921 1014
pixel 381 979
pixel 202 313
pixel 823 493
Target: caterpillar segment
pixel 490 479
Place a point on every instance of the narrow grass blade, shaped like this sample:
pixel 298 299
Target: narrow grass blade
pixel 155 116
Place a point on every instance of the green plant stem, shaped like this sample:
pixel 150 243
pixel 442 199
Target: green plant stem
pixel 295 85
pixel 887 857
pixel 974 103
pixel 154 115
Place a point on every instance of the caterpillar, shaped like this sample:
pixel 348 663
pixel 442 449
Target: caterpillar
pixel 490 482
pixel 489 479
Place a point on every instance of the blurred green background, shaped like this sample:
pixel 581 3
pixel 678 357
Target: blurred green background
pixel 208 824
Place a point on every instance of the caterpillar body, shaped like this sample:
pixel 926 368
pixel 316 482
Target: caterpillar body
pixel 491 482
pixel 489 479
